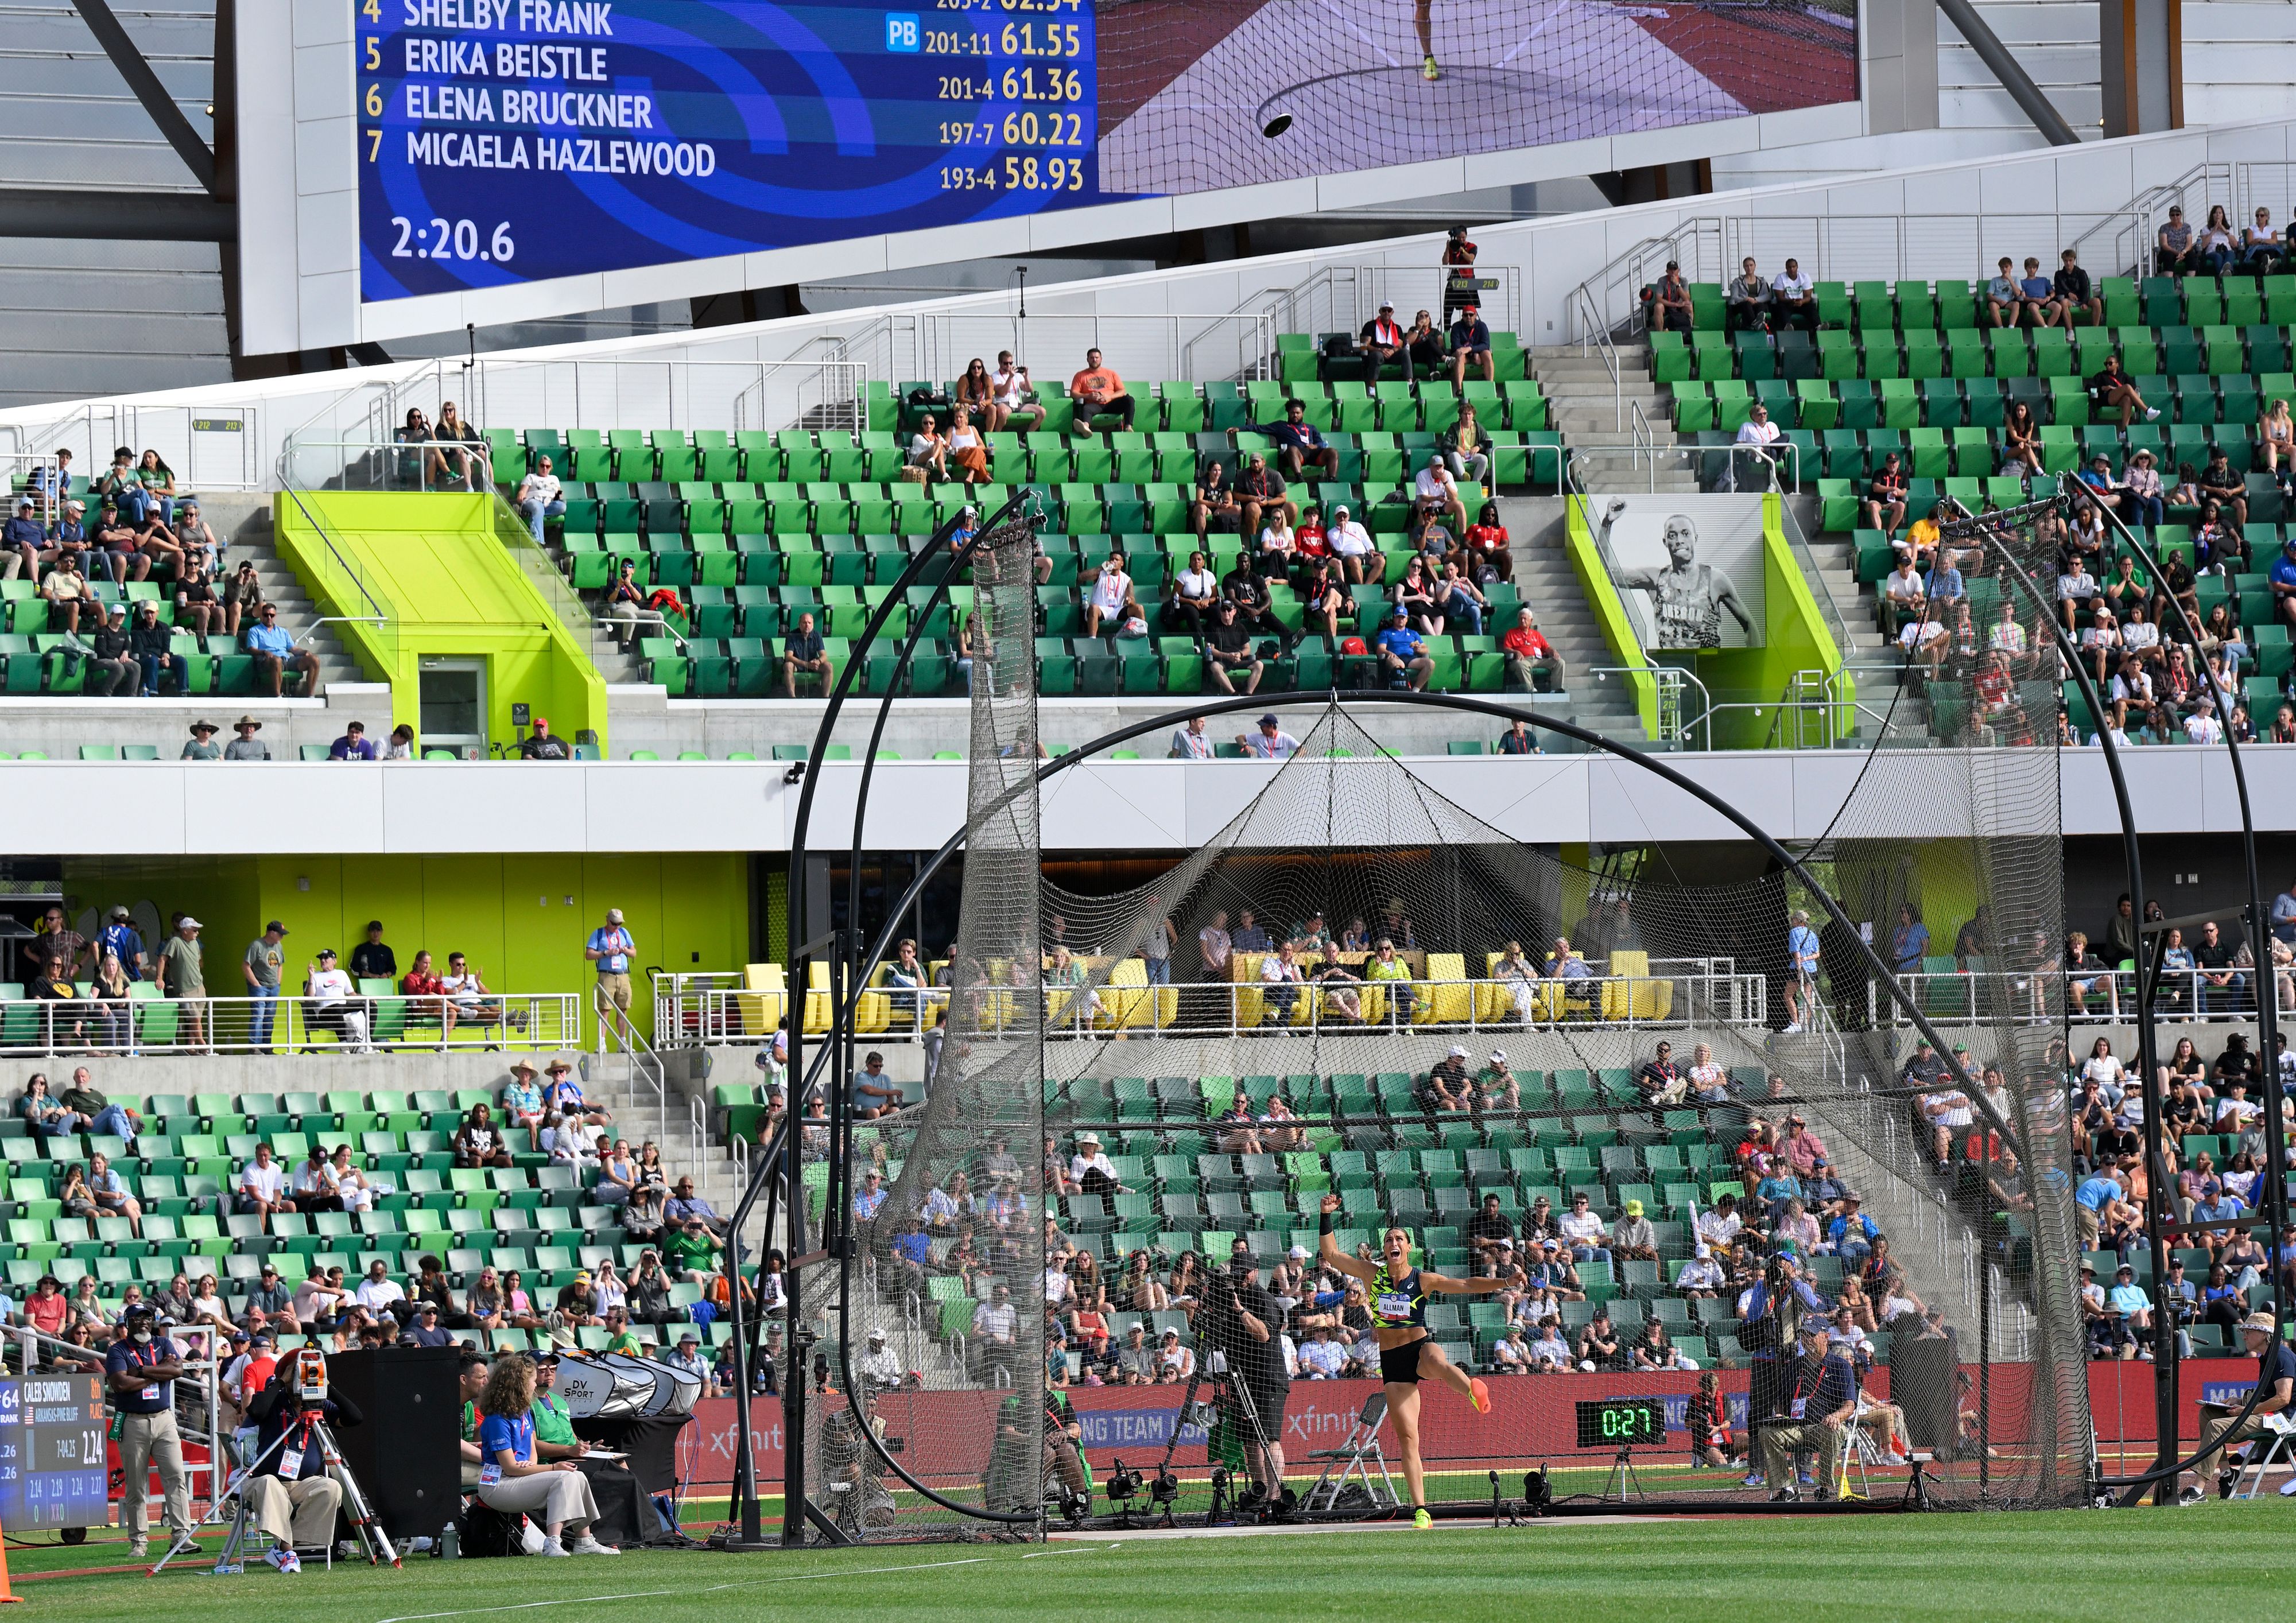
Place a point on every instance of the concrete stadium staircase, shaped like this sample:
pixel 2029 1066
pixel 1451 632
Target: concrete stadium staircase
pixel 1590 410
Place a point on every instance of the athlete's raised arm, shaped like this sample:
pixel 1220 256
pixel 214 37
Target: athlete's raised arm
pixel 1330 1246
pixel 1438 1284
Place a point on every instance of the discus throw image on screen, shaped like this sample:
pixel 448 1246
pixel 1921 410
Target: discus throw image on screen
pixel 1687 598
pixel 1194 97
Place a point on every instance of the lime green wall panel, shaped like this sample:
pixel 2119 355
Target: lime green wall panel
pixel 1610 611
pixel 511 915
pixel 450 591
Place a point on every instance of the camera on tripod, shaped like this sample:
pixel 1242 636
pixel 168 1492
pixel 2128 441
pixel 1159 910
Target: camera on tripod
pixel 1123 1486
pixel 310 1375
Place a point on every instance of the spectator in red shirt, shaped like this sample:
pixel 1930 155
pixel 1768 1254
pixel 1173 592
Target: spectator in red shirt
pixel 1529 652
pixel 1308 539
pixel 1488 548
pixel 47 1308
pixel 421 981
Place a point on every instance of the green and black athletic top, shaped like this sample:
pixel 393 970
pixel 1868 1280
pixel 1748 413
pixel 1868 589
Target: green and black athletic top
pixel 1398 1304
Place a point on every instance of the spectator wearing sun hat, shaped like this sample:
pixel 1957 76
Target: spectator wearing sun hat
pixel 247 747
pixel 202 745
pixel 687 1359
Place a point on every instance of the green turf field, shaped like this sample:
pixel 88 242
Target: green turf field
pixel 2215 1560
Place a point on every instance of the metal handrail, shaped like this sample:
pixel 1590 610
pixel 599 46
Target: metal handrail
pixel 1973 996
pixel 1645 441
pixel 1670 680
pixel 1597 339
pixel 379 612
pixel 303 1025
pixel 616 1027
pixel 705 1016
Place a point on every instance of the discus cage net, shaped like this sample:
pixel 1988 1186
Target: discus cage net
pixel 1229 1104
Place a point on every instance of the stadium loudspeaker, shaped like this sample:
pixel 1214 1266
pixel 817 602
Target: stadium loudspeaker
pixel 1922 1384
pixel 406 1456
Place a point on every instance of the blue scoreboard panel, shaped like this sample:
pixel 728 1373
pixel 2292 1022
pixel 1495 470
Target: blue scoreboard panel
pixel 52 1467
pixel 510 141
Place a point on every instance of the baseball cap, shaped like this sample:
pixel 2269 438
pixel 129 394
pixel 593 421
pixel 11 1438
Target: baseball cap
pixel 1270 720
pixel 1458 1051
pixel 1299 1253
pixel 1634 1209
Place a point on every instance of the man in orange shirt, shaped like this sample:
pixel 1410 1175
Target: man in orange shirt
pixel 1097 389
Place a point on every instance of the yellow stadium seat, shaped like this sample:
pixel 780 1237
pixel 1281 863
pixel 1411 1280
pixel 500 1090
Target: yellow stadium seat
pixel 764 1000
pixel 1450 1000
pixel 1631 994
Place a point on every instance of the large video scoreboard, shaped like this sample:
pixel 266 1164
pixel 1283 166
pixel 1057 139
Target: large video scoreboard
pixel 53 1466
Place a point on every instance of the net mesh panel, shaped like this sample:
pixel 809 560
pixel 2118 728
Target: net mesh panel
pixel 981 1119
pixel 1342 837
pixel 1188 89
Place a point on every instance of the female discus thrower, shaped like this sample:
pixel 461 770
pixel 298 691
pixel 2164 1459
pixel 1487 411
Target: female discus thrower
pixel 1407 1353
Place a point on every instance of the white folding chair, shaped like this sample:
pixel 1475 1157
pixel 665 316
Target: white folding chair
pixel 1355 1456
pixel 2280 1449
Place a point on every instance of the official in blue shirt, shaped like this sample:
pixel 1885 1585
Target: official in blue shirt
pixel 140 1372
pixel 1911 942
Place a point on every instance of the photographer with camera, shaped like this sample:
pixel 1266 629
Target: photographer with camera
pixel 140 1372
pixel 1239 1320
pixel 290 1496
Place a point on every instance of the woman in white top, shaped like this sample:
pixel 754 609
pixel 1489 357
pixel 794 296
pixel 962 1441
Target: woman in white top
pixel 1276 545
pixel 1709 1084
pixel 964 446
pixel 2100 640
pixel 608 1287
pixel 1516 971
pixel 1108 599
pixel 1195 590
pixel 2277 433
pixel 2102 1067
pixel 2260 245
pixel 347 1183
pixel 2217 245
pixel 927 449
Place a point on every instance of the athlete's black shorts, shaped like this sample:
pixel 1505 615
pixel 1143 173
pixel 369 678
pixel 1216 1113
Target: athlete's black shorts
pixel 1401 1362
